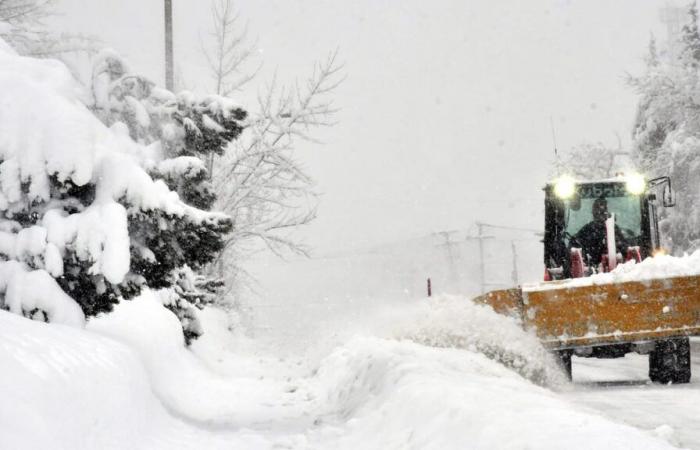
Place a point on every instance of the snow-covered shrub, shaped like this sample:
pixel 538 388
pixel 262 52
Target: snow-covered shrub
pixel 83 203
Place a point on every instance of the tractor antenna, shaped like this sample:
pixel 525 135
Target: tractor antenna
pixel 554 136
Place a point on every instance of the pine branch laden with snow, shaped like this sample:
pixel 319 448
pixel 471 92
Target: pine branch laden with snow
pixel 666 132
pixel 261 185
pixel 181 129
pixel 82 218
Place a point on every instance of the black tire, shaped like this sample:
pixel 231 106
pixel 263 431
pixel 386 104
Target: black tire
pixel 669 362
pixel 563 357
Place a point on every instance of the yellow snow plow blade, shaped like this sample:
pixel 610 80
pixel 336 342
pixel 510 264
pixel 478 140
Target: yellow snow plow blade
pixel 565 316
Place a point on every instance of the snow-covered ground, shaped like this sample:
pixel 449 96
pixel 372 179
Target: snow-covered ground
pixel 448 375
pixel 620 389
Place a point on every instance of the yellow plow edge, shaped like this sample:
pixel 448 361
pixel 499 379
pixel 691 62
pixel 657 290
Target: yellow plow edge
pixel 581 316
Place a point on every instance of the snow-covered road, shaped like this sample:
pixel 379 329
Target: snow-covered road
pixel 620 389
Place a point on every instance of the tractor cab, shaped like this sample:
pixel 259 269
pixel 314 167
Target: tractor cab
pixel 592 226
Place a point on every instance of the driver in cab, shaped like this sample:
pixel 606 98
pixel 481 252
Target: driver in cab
pixel 592 236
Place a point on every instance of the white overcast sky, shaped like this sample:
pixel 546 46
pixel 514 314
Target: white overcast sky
pixel 446 108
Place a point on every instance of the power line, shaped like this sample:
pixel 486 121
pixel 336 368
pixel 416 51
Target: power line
pixel 504 227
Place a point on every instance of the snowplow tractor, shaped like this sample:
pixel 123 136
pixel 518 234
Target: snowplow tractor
pixel 592 227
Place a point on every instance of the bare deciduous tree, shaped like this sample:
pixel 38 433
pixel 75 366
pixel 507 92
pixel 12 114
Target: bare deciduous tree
pixel 21 12
pixel 258 181
pixel 26 31
pixel 229 56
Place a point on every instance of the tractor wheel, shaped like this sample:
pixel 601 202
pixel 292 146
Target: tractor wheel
pixel 669 362
pixel 563 357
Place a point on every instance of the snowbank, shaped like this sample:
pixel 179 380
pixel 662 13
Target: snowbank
pixel 25 291
pixel 68 389
pixel 74 389
pixel 389 394
pixel 184 383
pixel 126 382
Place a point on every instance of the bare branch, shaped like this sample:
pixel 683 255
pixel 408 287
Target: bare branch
pixel 25 12
pixel 28 35
pixel 230 53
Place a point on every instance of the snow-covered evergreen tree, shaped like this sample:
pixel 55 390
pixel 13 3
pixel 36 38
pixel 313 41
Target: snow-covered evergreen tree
pixel 182 132
pixel 92 213
pixel 666 132
pixel 690 55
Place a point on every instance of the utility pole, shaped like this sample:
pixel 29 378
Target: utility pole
pixel 482 268
pixel 482 265
pixel 514 274
pixel 450 246
pixel 169 79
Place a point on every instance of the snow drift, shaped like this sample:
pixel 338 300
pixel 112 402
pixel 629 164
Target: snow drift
pixel 69 389
pixel 456 322
pixel 79 389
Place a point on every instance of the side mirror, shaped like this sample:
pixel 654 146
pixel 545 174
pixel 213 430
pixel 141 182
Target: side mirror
pixel 669 198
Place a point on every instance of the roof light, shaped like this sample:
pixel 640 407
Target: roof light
pixel 565 187
pixel 635 183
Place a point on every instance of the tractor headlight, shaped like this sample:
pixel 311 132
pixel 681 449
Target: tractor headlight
pixel 659 252
pixel 564 187
pixel 635 183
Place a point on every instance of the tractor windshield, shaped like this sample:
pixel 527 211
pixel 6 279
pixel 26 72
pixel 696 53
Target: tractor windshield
pixel 625 207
